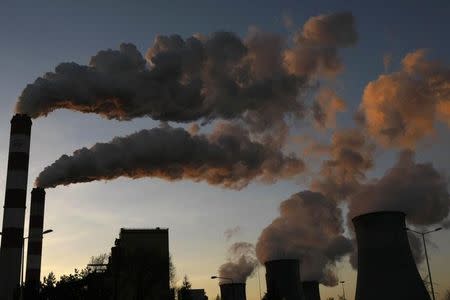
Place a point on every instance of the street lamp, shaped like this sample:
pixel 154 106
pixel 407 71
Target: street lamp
pixel 23 254
pixel 226 278
pixel 343 290
pixel 426 254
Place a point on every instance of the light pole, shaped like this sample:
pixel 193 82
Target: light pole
pixel 23 261
pixel 426 254
pixel 343 290
pixel 226 278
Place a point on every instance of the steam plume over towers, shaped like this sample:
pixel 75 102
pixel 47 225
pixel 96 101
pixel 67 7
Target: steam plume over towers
pixel 14 208
pixel 309 228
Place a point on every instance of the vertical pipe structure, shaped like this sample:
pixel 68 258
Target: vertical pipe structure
pixel 34 250
pixel 311 290
pixel 386 267
pixel 14 208
pixel 283 279
pixel 232 291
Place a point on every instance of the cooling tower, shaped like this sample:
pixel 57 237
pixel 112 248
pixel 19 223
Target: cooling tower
pixel 232 291
pixel 283 279
pixel 34 250
pixel 14 208
pixel 311 290
pixel 386 268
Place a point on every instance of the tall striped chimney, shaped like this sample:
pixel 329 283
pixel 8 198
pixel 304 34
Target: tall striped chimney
pixel 34 250
pixel 14 208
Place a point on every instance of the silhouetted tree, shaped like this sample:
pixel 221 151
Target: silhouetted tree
pixel 172 272
pixel 183 293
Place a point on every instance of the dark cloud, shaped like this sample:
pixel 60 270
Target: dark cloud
pixel 416 189
pixel 241 262
pixel 309 228
pixel 227 157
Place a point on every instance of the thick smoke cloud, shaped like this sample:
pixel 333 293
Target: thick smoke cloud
pixel 416 189
pixel 316 45
pixel 259 79
pixel 227 157
pixel 351 156
pixel 309 228
pixel 403 107
pixel 241 263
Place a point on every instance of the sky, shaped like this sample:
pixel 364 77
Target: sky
pixel 86 218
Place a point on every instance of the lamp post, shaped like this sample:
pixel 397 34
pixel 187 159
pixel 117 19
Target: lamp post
pixel 343 290
pixel 23 261
pixel 226 278
pixel 426 254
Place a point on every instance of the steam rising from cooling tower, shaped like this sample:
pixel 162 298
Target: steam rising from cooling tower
pixel 416 189
pixel 227 157
pixel 309 228
pixel 241 263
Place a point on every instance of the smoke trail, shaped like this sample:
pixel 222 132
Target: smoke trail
pixel 351 157
pixel 401 108
pixel 416 189
pixel 231 232
pixel 309 228
pixel 259 78
pixel 227 157
pixel 241 262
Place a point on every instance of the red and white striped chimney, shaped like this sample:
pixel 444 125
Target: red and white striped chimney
pixel 14 208
pixel 34 250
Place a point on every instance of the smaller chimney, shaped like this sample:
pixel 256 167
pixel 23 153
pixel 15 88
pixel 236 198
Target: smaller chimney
pixel 232 291
pixel 311 290
pixel 34 252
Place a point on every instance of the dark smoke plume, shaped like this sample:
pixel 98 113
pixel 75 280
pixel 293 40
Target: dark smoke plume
pixel 227 157
pixel 401 108
pixel 258 79
pixel 416 189
pixel 241 262
pixel 309 228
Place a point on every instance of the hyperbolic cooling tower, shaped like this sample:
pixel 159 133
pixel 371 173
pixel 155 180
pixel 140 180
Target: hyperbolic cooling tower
pixel 386 268
pixel 232 291
pixel 311 290
pixel 14 208
pixel 283 279
pixel 34 250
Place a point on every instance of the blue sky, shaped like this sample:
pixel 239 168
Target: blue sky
pixel 86 218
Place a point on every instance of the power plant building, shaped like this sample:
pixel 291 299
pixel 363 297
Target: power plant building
pixel 386 267
pixel 139 264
